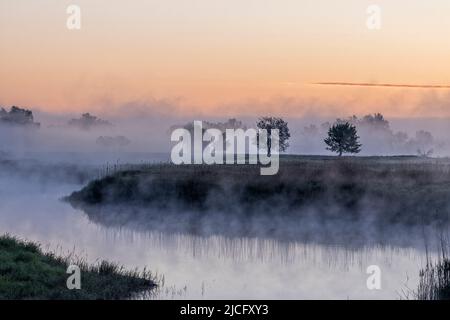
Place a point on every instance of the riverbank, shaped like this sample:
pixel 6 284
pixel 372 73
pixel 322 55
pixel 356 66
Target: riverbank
pixel 26 272
pixel 407 190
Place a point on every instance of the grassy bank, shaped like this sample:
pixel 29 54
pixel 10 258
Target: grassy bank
pixel 405 190
pixel 28 273
pixel 435 281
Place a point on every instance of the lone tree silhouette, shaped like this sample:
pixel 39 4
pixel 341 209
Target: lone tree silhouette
pixel 271 123
pixel 343 138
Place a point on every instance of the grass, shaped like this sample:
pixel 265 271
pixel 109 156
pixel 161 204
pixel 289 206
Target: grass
pixel 408 190
pixel 435 281
pixel 28 273
pixel 435 277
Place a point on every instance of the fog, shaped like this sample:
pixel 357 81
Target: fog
pixel 205 263
pixel 220 255
pixel 149 132
pixel 58 152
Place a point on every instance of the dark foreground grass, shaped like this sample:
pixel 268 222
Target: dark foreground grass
pixel 28 273
pixel 435 281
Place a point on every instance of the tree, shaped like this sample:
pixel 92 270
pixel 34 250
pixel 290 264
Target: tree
pixel 17 116
pixel 272 123
pixel 343 138
pixel 424 141
pixel 375 121
pixel 88 121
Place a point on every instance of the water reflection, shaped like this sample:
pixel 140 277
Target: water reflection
pixel 348 233
pixel 210 264
pixel 220 267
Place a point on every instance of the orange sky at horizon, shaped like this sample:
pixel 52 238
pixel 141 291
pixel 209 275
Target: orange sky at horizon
pixel 226 57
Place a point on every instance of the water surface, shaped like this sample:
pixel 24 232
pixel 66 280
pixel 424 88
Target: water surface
pixel 211 266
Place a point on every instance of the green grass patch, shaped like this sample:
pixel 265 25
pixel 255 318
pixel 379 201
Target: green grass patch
pixel 28 273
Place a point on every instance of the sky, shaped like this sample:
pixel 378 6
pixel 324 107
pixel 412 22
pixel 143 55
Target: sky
pixel 230 58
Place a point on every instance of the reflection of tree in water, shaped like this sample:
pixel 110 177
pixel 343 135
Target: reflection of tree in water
pixel 308 230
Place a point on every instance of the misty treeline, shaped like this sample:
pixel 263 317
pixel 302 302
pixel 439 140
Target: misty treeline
pixel 264 123
pixel 24 117
pixel 373 130
pixel 222 126
pixel 17 116
pixel 88 121
pixel 376 136
pixel 16 122
pixel 375 133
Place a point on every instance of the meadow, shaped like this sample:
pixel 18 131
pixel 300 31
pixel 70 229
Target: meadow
pixel 387 190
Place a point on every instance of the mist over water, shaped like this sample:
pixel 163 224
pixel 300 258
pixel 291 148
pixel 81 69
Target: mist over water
pixel 211 266
pixel 356 97
pixel 192 265
pixel 212 257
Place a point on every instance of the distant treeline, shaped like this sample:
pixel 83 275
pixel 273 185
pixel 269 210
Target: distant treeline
pixel 17 116
pixel 376 136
